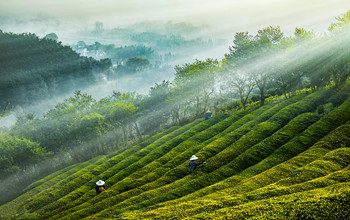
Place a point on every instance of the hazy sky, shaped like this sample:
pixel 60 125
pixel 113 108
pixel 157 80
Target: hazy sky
pixel 225 16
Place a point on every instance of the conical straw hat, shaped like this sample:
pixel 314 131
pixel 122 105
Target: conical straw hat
pixel 100 183
pixel 194 157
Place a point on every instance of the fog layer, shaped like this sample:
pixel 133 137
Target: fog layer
pixel 225 17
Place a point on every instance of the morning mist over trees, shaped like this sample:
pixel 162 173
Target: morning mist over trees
pixel 180 109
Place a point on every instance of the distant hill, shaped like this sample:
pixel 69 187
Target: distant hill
pixel 33 69
pixel 288 160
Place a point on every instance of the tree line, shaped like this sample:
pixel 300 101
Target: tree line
pixel 34 68
pixel 117 54
pixel 263 65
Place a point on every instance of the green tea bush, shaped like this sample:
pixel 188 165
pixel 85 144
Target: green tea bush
pixel 332 161
pixel 124 160
pixel 323 203
pixel 282 170
pixel 129 182
pixel 265 129
pixel 308 104
pixel 242 126
pixel 259 133
pixel 253 158
pixel 227 170
pixel 342 157
pixel 50 179
pixel 218 201
pixel 132 167
pixel 18 204
pixel 338 98
pixel 177 173
pixel 98 169
pixel 62 187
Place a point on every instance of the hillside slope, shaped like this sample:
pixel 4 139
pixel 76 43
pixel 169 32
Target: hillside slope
pixel 33 69
pixel 285 160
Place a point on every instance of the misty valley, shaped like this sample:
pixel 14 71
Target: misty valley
pixel 133 108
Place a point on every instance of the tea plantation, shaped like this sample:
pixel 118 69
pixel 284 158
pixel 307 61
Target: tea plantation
pixel 285 160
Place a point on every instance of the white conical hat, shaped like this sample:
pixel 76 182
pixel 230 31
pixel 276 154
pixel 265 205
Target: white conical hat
pixel 100 183
pixel 194 157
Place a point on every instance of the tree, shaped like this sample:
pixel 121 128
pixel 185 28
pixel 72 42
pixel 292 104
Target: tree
pixel 238 71
pixel 5 109
pixel 137 64
pixel 241 82
pixel 342 23
pixel 303 58
pixel 90 125
pixel 339 63
pixel 266 41
pixel 268 37
pixel 51 36
pixel 340 69
pixel 34 69
pixel 118 111
pixel 300 34
pixel 98 27
pixel 17 154
pixel 81 44
pixel 242 47
pixel 78 103
pixel 155 108
pixel 197 81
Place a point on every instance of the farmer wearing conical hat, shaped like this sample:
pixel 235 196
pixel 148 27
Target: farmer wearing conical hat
pixel 193 163
pixel 100 186
pixel 208 115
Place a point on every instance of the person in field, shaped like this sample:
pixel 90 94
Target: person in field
pixel 208 115
pixel 194 164
pixel 100 186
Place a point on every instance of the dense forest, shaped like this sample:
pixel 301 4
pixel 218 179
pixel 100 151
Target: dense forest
pixel 34 68
pixel 265 83
pixel 126 60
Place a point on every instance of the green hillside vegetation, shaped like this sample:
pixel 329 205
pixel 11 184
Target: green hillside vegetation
pixel 34 68
pixel 260 163
pixel 277 146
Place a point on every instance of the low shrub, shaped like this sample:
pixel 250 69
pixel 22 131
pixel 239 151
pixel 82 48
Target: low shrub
pixel 95 169
pixel 310 177
pixel 283 169
pixel 135 163
pixel 254 136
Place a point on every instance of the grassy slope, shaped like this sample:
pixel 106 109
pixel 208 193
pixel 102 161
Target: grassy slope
pixel 258 161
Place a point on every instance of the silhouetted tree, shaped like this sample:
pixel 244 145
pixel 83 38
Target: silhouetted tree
pixel 51 36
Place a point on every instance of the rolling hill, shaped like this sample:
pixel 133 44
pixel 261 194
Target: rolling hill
pixel 285 160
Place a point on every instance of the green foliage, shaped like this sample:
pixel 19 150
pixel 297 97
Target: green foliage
pixel 91 124
pixel 129 182
pixel 185 185
pixel 120 168
pixel 17 154
pixel 18 205
pixel 134 65
pixel 265 164
pixel 287 159
pixel 28 74
pixel 5 109
pixel 51 36
pixel 251 157
pixel 195 84
pixel 117 54
pixel 304 179
pixel 343 22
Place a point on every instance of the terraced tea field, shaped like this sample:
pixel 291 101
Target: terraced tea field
pixel 287 160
